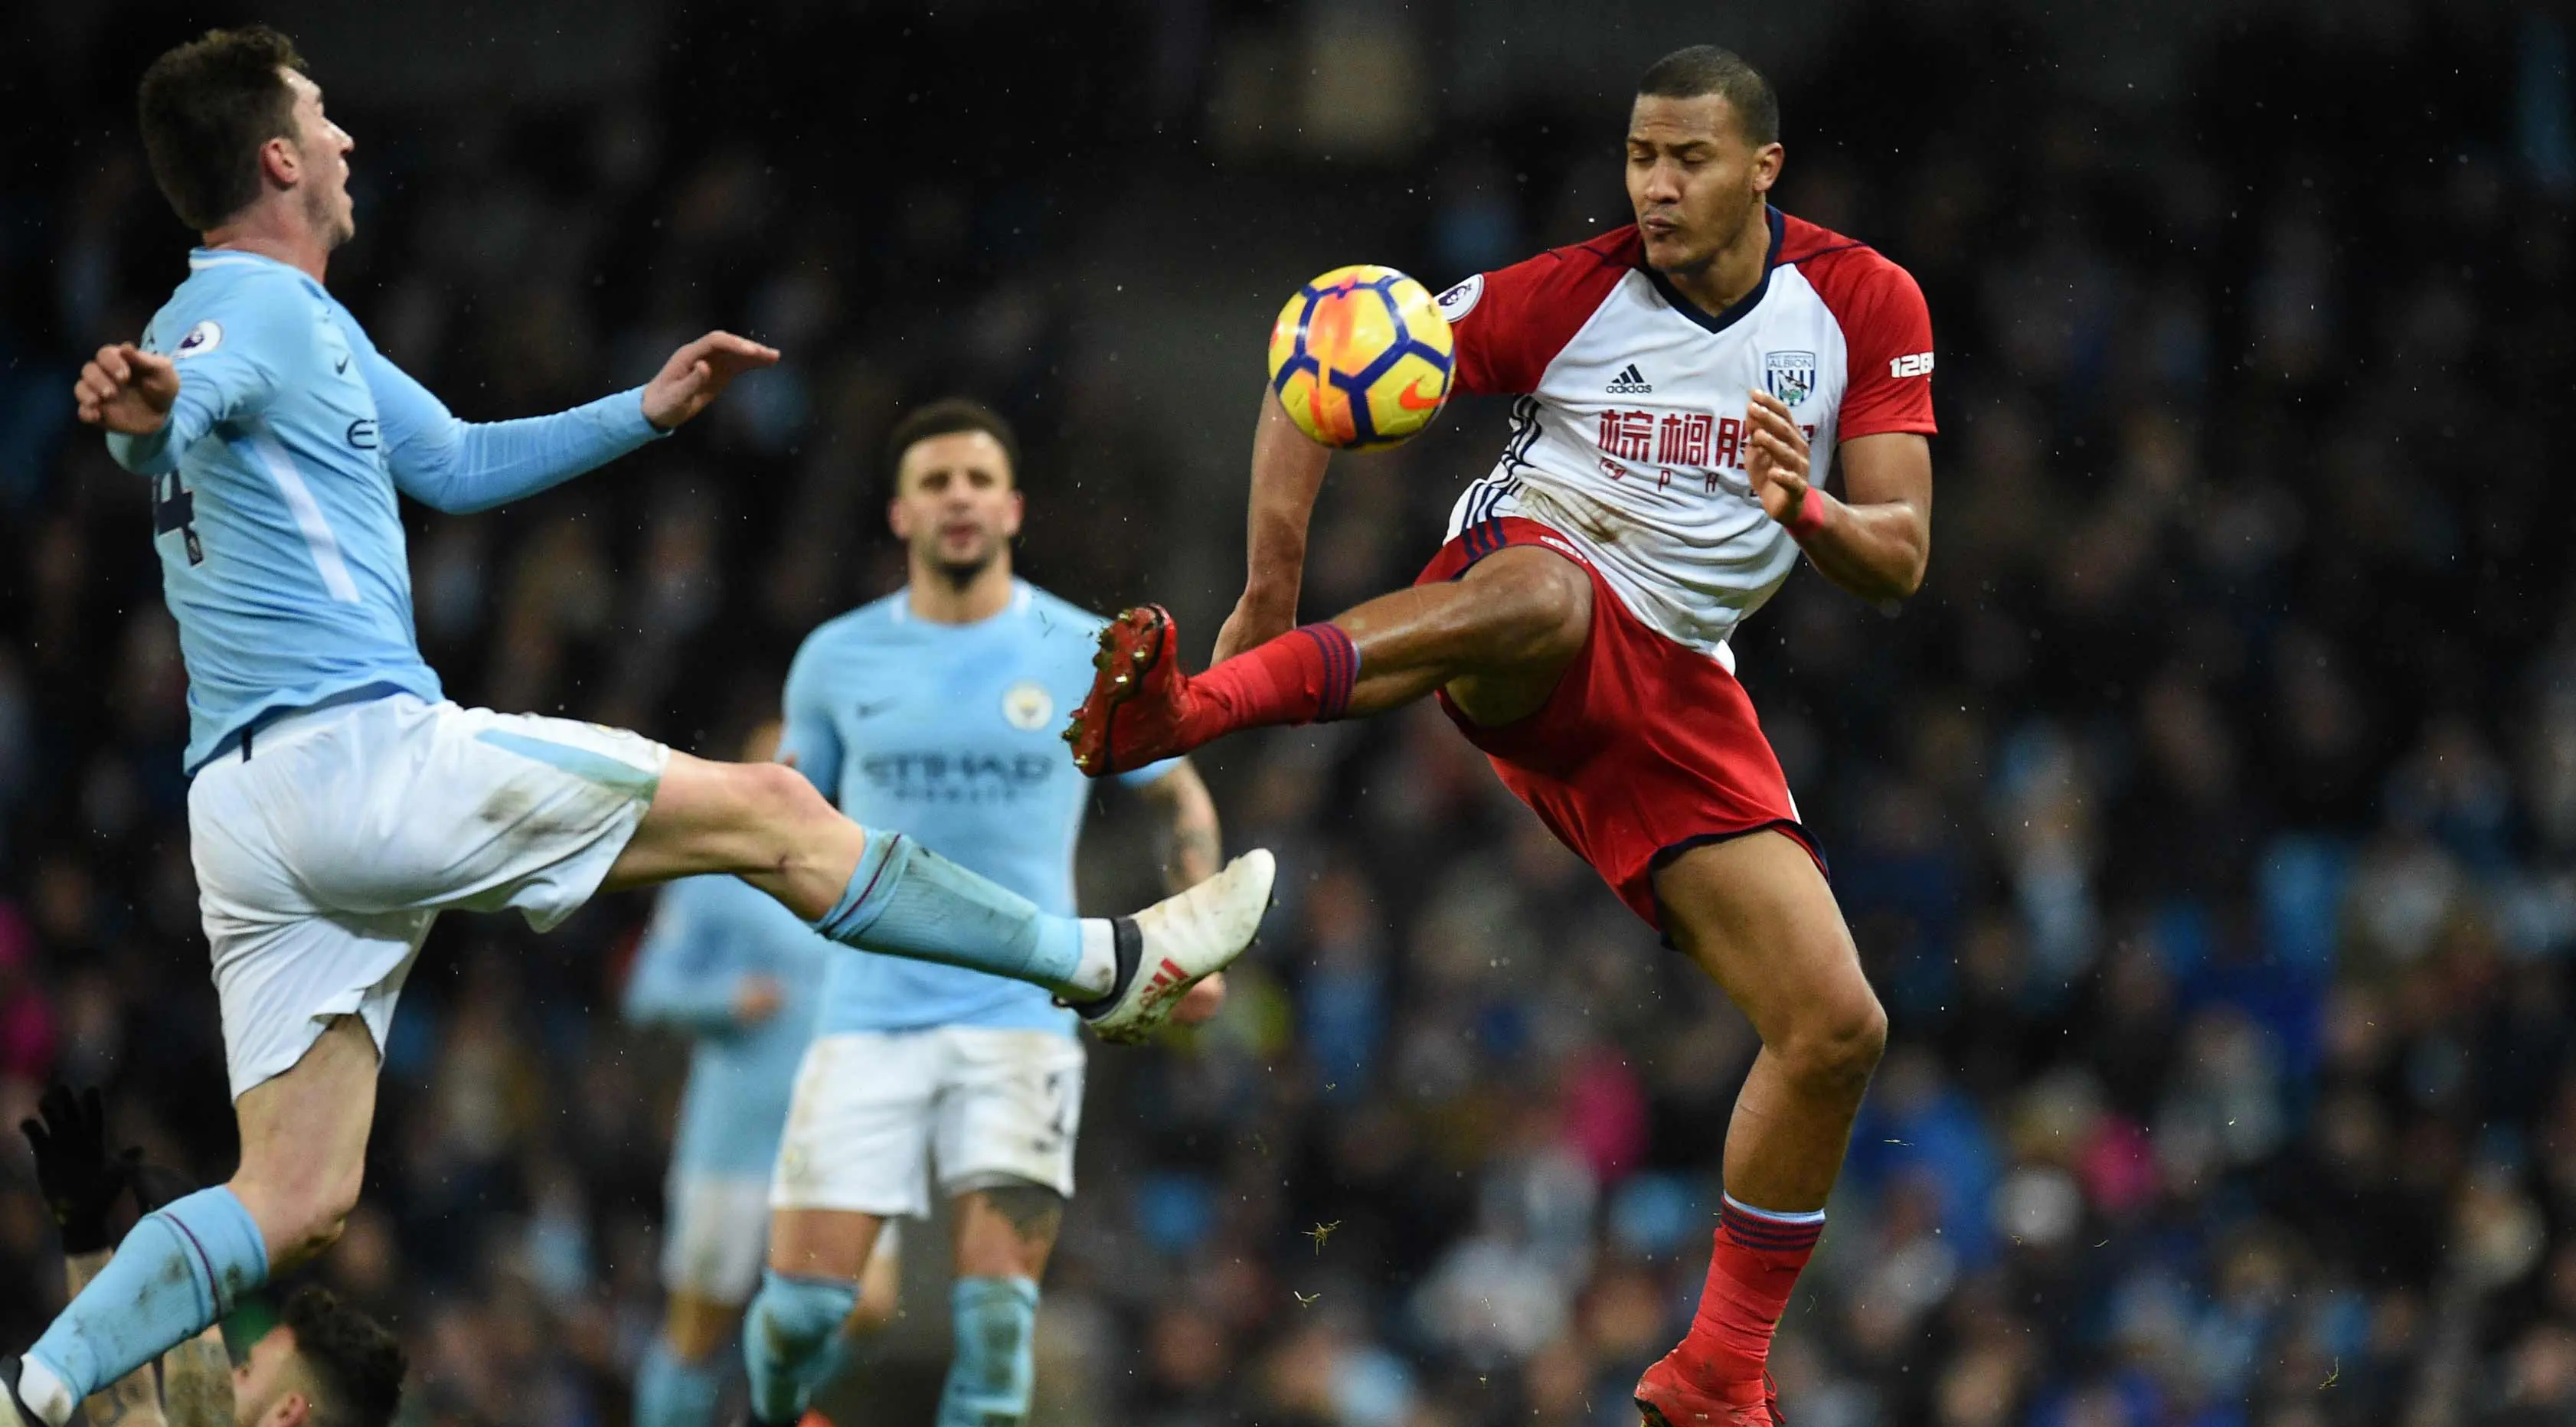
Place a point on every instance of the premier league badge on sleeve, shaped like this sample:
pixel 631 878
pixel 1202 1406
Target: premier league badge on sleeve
pixel 201 339
pixel 1790 376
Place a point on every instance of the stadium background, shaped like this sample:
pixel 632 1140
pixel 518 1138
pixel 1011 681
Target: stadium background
pixel 2206 823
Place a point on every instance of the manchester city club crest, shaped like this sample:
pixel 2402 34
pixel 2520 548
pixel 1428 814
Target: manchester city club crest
pixel 1790 376
pixel 1027 705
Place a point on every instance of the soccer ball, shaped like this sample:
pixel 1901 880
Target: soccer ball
pixel 1361 358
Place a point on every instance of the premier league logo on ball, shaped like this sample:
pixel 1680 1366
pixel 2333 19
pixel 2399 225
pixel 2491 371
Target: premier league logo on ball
pixel 1790 376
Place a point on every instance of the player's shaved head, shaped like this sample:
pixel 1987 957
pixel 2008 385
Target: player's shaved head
pixel 205 109
pixel 1708 69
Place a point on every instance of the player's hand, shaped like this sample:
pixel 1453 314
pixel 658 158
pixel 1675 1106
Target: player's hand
pixel 698 373
pixel 78 1177
pixel 1254 621
pixel 1201 1001
pixel 756 1000
pixel 125 388
pixel 1776 462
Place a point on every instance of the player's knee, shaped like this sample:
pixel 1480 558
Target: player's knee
pixel 794 1318
pixel 1541 607
pixel 1839 1049
pixel 302 1207
pixel 780 792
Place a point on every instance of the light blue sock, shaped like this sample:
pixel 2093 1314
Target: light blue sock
pixel 180 1269
pixel 792 1341
pixel 672 1391
pixel 993 1371
pixel 906 900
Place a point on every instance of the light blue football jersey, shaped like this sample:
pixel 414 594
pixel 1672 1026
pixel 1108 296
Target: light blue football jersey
pixel 281 544
pixel 948 733
pixel 708 935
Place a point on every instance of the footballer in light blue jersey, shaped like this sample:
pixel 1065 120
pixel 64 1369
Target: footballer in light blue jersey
pixel 947 732
pixel 935 711
pixel 338 805
pixel 738 974
pixel 274 481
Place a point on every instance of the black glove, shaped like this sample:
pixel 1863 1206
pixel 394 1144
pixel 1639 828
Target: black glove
pixel 78 1177
pixel 155 1184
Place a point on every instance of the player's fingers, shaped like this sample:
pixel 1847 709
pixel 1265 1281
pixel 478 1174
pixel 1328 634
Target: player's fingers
pixel 112 363
pixel 146 364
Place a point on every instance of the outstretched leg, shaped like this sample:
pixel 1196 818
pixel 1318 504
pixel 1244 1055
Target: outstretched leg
pixel 1757 915
pixel 184 1266
pixel 1496 639
pixel 884 892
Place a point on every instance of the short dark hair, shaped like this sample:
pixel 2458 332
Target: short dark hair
pixel 947 417
pixel 356 1367
pixel 205 109
pixel 1707 69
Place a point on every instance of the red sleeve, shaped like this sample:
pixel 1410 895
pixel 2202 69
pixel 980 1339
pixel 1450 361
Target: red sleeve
pixel 1510 323
pixel 1887 338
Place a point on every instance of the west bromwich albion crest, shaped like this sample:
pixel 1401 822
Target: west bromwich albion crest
pixel 1790 376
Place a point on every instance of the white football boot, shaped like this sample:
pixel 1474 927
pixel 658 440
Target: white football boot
pixel 1172 945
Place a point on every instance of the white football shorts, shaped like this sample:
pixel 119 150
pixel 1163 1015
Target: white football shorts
pixel 324 855
pixel 875 1111
pixel 716 1239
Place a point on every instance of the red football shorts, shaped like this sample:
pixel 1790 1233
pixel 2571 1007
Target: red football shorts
pixel 1646 749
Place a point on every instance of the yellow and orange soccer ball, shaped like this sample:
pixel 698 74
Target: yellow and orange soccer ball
pixel 1361 358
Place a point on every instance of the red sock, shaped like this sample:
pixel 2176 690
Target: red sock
pixel 1299 677
pixel 1750 1273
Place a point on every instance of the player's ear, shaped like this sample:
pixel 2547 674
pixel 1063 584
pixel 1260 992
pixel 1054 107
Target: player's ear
pixel 279 163
pixel 1766 166
pixel 293 1409
pixel 1019 511
pixel 897 519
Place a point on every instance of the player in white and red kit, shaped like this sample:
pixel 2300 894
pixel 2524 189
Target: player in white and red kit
pixel 1687 383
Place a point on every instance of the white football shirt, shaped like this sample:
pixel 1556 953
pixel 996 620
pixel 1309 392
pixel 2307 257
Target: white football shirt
pixel 1629 435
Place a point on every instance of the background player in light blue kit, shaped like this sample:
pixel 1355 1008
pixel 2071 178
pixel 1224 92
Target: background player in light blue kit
pixel 742 977
pixel 339 803
pixel 934 711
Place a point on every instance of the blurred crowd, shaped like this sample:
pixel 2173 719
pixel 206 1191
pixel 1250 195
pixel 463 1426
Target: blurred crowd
pixel 2208 825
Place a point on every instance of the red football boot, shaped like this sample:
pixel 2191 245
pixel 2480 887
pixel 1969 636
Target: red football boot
pixel 1138 700
pixel 1666 1397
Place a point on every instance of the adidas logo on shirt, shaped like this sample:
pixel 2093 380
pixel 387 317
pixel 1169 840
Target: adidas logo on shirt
pixel 1629 382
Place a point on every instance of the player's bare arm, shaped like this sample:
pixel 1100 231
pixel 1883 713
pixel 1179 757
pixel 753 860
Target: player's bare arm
pixel 1287 475
pixel 1877 540
pixel 197 1383
pixel 1192 847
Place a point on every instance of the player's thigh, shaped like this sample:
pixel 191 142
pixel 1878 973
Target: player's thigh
pixel 1006 1126
pixel 714 817
pixel 823 1243
pixel 1757 914
pixel 856 1147
pixel 398 805
pixel 1531 612
pixel 715 1237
